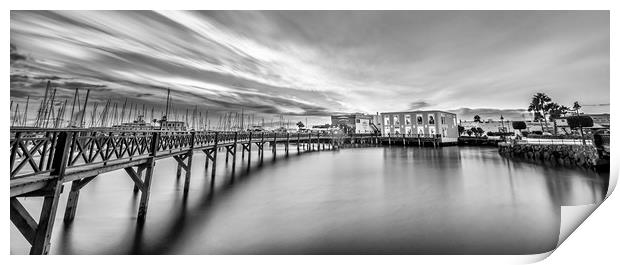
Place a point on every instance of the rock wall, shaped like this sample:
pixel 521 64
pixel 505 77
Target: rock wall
pixel 563 155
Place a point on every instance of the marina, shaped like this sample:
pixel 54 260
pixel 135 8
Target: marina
pixel 306 132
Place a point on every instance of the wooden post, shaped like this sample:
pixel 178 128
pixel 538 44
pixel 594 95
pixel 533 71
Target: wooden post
pixel 188 164
pixel 298 142
pixel 140 171
pixel 227 148
pixel 178 168
pixel 43 233
pixel 318 141
pixel 234 155
pixel 287 142
pixel 404 140
pixel 273 148
pixel 214 156
pixel 150 165
pixel 242 151
pixel 249 148
pixel 74 194
pixel 261 149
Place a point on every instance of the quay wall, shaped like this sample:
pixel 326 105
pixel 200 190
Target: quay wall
pixel 584 156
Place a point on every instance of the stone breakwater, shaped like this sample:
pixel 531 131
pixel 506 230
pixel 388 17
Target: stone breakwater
pixel 563 155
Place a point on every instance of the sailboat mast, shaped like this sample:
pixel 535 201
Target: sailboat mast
pixel 26 111
pixel 84 108
pixel 167 102
pixel 73 106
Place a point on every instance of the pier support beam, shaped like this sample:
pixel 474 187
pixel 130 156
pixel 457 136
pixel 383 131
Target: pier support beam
pixel 184 163
pixel 212 155
pixel 261 145
pixel 38 234
pixel 74 195
pixel 233 151
pixel 247 147
pixel 145 185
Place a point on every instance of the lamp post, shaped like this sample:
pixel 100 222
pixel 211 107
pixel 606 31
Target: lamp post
pixel 501 117
pixel 576 106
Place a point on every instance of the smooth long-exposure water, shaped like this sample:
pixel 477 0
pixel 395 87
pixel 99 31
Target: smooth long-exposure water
pixel 376 200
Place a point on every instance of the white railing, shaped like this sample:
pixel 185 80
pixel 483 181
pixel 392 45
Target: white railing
pixel 553 141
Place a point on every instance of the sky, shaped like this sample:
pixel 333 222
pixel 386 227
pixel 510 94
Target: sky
pixel 316 63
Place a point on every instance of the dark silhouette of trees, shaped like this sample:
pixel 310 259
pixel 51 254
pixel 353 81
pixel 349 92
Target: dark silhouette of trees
pixel 555 111
pixel 519 125
pixel 575 122
pixel 537 105
pixel 477 118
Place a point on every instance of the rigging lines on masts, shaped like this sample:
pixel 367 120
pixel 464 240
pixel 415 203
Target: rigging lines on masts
pixel 167 103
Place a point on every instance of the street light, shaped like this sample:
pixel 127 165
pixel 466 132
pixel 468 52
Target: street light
pixel 501 117
pixel 576 107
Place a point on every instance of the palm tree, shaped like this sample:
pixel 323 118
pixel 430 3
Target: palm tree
pixel 576 107
pixel 555 111
pixel 537 105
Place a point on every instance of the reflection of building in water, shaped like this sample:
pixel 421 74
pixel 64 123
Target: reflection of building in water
pixel 429 122
pixel 355 123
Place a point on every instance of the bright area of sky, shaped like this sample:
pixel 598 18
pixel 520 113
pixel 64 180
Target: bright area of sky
pixel 316 63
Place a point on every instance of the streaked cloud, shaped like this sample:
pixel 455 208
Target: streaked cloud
pixel 316 62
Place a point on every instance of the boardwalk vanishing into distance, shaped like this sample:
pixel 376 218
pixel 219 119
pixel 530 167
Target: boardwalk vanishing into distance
pixel 41 160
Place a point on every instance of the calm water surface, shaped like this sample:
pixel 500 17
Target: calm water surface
pixel 354 201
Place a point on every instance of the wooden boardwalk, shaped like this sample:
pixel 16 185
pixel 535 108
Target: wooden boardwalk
pixel 41 160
